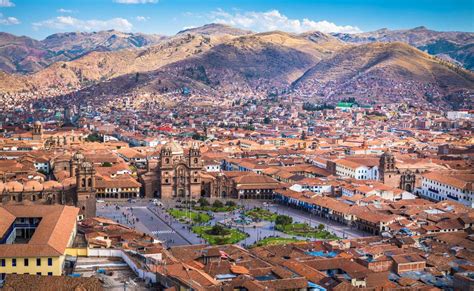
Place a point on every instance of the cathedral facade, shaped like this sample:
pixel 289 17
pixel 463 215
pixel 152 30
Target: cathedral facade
pixel 177 175
pixel 397 176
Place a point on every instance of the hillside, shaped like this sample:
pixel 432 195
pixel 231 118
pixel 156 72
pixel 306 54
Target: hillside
pixel 451 45
pixel 25 55
pixel 386 72
pixel 217 60
pixel 250 63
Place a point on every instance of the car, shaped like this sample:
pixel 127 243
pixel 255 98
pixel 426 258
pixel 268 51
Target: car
pixel 100 201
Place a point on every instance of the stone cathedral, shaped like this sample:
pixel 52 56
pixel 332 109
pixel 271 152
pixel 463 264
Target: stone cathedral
pixel 178 173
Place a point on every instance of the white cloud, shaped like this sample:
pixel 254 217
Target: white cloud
pixel 68 22
pixel 8 20
pixel 274 20
pixel 6 3
pixel 135 1
pixel 142 18
pixel 62 10
pixel 188 27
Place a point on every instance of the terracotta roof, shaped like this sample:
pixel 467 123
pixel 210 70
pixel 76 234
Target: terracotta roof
pixel 50 238
pixel 463 182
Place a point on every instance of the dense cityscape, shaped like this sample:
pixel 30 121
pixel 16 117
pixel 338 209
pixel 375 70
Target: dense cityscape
pixel 228 161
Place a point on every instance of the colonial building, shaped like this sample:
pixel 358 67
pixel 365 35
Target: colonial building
pixel 178 173
pixel 405 177
pixel 455 187
pixel 76 188
pixel 241 185
pixel 34 238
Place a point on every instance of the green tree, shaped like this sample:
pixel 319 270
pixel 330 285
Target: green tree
pixel 283 220
pixel 230 203
pixel 106 164
pixel 203 201
pixel 218 229
pixel 94 137
pixel 217 204
pixel 321 226
pixel 267 120
pixel 303 135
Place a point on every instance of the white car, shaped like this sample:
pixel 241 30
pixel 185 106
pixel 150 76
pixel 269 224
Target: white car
pixel 100 201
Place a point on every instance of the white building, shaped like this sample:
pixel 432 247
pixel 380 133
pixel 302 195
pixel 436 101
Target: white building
pixel 356 170
pixel 438 187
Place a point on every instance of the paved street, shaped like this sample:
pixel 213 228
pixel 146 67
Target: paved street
pixel 155 221
pixel 149 222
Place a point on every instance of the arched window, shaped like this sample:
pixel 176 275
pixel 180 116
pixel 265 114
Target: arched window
pixel 167 161
pixel 83 182
pixel 89 182
pixel 195 160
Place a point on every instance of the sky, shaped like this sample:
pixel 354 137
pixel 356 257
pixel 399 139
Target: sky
pixel 40 18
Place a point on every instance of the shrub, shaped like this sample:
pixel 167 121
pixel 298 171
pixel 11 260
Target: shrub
pixel 217 204
pixel 218 230
pixel 203 201
pixel 283 220
pixel 230 204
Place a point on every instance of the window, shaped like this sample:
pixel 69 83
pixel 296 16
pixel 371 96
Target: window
pixel 38 261
pixel 50 273
pixel 38 273
pixel 13 262
pixel 50 261
pixel 26 262
pixel 2 262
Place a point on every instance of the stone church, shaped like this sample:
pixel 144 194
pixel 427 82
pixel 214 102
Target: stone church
pixel 395 175
pixel 178 173
pixel 77 189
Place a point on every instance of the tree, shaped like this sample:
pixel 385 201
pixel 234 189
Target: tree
pixel 321 226
pixel 203 201
pixel 283 220
pixel 218 229
pixel 217 204
pixel 303 135
pixel 137 75
pixel 230 204
pixel 266 120
pixel 106 164
pixel 94 137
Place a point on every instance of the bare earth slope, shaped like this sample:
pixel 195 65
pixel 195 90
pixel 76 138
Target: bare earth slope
pixel 454 46
pixel 388 72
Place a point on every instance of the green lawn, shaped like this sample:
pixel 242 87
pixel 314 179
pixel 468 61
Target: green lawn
pixel 274 241
pixel 303 229
pixel 262 214
pixel 184 215
pixel 233 237
pixel 215 209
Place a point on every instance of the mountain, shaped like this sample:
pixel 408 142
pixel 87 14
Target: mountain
pixel 454 46
pixel 251 63
pixel 387 72
pixel 25 55
pixel 21 54
pixel 222 62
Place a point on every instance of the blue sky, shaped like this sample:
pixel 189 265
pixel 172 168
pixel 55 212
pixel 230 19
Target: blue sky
pixel 40 18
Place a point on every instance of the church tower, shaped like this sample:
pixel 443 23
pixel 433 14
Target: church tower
pixel 195 168
pixel 85 187
pixel 387 168
pixel 74 163
pixel 37 131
